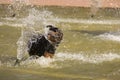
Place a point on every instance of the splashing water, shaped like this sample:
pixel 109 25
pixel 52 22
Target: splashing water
pixel 38 18
pixel 35 22
pixel 64 64
pixel 30 25
pixel 63 57
pixel 95 5
pixel 40 62
pixel 16 6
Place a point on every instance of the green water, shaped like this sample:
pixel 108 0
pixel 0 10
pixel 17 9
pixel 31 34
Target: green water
pixel 84 54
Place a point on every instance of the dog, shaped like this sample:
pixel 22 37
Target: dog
pixel 44 44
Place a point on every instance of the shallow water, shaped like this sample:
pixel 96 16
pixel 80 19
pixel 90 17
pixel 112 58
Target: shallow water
pixel 89 50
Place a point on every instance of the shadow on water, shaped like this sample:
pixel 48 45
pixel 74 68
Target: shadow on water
pixel 94 33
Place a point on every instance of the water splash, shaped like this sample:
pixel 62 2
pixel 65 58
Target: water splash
pixel 42 62
pixel 16 7
pixel 6 60
pixel 38 18
pixel 35 22
pixel 32 24
pixel 35 18
pixel 95 5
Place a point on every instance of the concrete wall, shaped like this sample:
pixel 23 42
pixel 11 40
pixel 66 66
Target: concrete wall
pixel 80 3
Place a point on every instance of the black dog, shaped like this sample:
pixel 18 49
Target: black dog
pixel 44 44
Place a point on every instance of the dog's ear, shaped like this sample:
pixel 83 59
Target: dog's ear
pixel 49 26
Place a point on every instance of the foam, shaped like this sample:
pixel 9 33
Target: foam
pixel 111 36
pixel 12 25
pixel 93 58
pixel 79 57
pixel 36 18
pixel 87 21
pixel 43 62
pixel 13 22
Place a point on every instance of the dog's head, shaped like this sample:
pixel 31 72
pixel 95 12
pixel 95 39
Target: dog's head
pixel 54 34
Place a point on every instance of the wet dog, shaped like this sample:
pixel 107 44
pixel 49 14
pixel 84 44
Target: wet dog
pixel 44 44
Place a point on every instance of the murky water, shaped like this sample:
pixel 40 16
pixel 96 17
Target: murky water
pixel 89 51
